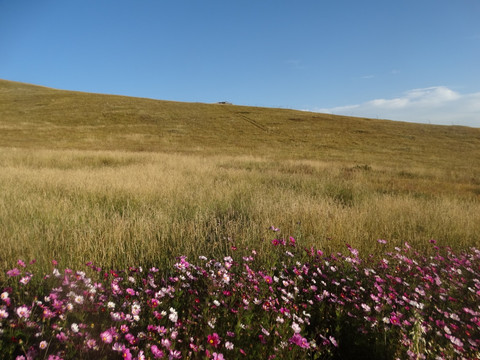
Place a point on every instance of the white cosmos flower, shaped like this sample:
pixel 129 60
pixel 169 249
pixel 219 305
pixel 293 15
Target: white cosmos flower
pixel 296 328
pixel 74 327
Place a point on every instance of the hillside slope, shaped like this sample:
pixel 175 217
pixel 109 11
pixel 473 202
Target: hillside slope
pixel 38 117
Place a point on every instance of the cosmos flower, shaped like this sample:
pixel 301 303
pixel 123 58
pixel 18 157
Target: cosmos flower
pixel 213 339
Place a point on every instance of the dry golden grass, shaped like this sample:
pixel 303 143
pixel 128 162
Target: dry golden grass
pixel 118 209
pixel 122 181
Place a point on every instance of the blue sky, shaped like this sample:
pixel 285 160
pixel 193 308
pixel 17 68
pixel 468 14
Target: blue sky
pixel 409 60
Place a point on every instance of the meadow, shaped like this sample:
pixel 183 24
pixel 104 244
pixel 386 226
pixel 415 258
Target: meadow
pixel 122 182
pixel 119 208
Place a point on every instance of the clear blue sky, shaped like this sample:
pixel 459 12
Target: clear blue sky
pixel 411 60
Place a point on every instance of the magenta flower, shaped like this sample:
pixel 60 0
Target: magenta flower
pixel 21 263
pixel 213 339
pixel 292 241
pixel 62 337
pixel 13 272
pixel 126 354
pixel 130 291
pixel 298 340
pixel 394 320
pixel 156 352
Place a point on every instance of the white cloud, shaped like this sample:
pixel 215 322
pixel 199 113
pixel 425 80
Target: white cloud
pixel 434 105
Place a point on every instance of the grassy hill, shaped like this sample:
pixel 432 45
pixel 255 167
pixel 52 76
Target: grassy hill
pixel 120 180
pixel 38 117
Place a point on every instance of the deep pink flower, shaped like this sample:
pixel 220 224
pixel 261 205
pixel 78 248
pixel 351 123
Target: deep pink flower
pixel 126 354
pixel 298 340
pixel 292 241
pixel 130 338
pixel 394 320
pixel 213 339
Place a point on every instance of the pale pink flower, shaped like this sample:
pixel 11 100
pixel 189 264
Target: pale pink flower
pixel 218 356
pixel 23 312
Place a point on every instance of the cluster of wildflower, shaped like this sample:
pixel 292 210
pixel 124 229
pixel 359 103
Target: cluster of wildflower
pixel 406 305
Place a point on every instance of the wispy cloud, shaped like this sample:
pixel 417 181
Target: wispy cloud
pixel 434 105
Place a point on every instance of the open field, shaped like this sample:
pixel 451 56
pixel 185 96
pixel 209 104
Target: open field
pixel 135 185
pixel 121 181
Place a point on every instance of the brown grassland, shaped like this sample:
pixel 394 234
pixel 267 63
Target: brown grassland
pixel 126 181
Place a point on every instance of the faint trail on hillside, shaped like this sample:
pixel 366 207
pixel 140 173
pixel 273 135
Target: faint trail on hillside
pixel 251 121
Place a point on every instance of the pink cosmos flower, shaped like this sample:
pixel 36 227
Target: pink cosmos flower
pixel 13 272
pixel 333 341
pixel 3 314
pixel 166 343
pixel 175 354
pixel 394 320
pixel 292 241
pixel 156 352
pixel 213 339
pixel 130 338
pixel 218 356
pixel 107 337
pixel 130 291
pixel 298 340
pixel 126 354
pixel 23 312
pixel 54 357
pixel 62 337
